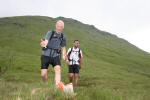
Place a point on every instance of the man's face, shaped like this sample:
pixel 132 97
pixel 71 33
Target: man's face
pixel 59 26
pixel 76 44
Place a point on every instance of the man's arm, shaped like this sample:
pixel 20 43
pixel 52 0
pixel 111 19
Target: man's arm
pixel 44 41
pixel 81 59
pixel 67 56
pixel 64 54
pixel 63 48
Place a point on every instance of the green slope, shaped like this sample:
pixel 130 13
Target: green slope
pixel 113 69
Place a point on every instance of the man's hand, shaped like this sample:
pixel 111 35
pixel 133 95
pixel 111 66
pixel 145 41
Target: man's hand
pixel 67 61
pixel 64 57
pixel 44 43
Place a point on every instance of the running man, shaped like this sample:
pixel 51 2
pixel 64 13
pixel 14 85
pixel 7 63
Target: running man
pixel 75 56
pixel 53 45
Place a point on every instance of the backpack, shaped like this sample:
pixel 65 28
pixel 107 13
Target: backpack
pixel 61 39
pixel 79 55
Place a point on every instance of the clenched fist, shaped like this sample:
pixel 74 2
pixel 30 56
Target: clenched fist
pixel 44 43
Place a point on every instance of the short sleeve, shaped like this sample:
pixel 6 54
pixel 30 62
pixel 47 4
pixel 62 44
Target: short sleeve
pixel 48 34
pixel 63 44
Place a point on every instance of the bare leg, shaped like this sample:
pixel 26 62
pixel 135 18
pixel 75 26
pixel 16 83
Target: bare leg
pixel 57 69
pixel 76 79
pixel 71 78
pixel 44 74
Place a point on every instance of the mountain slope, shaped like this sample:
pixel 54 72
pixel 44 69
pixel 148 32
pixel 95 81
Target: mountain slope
pixel 113 68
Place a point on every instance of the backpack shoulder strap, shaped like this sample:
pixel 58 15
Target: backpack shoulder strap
pixel 70 51
pixel 61 37
pixel 69 54
pixel 79 53
pixel 51 35
pixel 79 50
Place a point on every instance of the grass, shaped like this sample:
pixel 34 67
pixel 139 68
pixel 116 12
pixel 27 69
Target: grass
pixel 113 69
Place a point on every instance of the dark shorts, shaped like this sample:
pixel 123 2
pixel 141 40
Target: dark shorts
pixel 45 61
pixel 74 68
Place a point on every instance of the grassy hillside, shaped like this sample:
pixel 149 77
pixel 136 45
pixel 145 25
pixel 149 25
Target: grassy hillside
pixel 113 68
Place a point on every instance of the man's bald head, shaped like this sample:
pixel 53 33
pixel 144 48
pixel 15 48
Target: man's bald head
pixel 59 26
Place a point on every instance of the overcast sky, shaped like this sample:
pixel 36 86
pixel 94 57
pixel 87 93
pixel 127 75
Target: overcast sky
pixel 128 19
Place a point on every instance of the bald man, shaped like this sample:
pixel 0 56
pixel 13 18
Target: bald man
pixel 53 44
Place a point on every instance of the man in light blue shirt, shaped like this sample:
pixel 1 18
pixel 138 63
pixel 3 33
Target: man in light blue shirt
pixel 53 45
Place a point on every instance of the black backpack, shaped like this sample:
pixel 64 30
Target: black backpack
pixel 61 39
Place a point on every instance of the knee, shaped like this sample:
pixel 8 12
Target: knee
pixel 57 69
pixel 43 74
pixel 76 75
pixel 71 75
